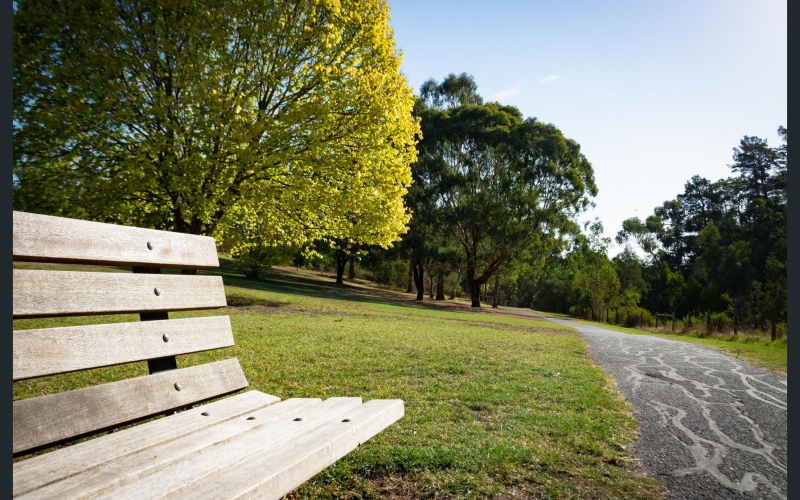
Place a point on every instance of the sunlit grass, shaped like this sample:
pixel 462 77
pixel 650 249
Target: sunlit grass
pixel 494 404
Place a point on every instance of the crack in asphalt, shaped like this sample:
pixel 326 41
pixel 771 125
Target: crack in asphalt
pixel 711 426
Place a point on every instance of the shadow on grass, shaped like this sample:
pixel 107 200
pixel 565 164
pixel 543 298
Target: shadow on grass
pixel 279 281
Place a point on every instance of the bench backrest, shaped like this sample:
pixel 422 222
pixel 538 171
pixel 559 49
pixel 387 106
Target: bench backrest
pixel 47 420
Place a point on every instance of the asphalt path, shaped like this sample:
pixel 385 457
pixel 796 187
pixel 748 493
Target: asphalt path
pixel 712 426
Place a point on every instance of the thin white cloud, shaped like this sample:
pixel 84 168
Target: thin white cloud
pixel 549 79
pixel 508 94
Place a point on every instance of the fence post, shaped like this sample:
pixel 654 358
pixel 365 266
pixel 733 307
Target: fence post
pixel 708 321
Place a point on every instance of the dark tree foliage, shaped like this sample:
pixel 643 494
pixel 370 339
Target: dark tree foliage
pixel 726 239
pixel 451 92
pixel 719 246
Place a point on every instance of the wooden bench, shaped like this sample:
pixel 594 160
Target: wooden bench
pixel 248 445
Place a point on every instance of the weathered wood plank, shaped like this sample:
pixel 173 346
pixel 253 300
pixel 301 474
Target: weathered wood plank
pixel 276 471
pixel 62 293
pixel 42 470
pixel 114 474
pixel 253 468
pixel 280 434
pixel 44 238
pixel 53 418
pixel 49 351
pixel 165 363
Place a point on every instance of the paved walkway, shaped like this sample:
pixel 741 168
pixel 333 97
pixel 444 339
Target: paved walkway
pixel 712 426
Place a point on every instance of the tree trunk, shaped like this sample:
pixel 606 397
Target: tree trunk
pixel 475 293
pixel 410 277
pixel 455 286
pixel 496 294
pixel 430 283
pixel 341 261
pixel 474 287
pixel 351 273
pixel 440 287
pixel 419 281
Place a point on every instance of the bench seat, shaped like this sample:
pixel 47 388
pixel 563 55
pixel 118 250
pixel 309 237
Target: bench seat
pixel 250 445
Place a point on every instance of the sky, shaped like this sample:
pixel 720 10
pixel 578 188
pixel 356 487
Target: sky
pixel 653 91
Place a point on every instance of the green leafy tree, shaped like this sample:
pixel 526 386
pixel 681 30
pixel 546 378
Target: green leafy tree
pixel 595 285
pixel 645 234
pixel 673 287
pixel 629 271
pixel 197 116
pixel 451 92
pixel 727 238
pixel 500 181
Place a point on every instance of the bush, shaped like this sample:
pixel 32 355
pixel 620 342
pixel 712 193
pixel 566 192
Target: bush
pixel 393 273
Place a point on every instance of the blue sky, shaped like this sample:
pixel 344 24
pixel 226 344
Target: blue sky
pixel 654 91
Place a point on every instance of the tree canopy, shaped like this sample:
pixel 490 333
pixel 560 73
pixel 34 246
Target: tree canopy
pixel 251 120
pixel 498 180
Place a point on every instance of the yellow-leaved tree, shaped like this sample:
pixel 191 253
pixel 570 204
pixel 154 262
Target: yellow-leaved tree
pixel 250 120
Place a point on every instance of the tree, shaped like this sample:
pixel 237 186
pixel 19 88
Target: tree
pixel 345 251
pixel 453 91
pixel 673 287
pixel 255 251
pixel 595 284
pixel 199 115
pixel 643 233
pixel 500 181
pixel 755 160
pixel 629 271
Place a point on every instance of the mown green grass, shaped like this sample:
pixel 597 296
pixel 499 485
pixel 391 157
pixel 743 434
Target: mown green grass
pixel 759 352
pixel 495 405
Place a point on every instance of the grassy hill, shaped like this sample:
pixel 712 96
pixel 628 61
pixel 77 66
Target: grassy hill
pixel 497 405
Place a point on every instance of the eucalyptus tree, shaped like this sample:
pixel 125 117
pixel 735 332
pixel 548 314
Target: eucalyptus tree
pixel 215 117
pixel 500 181
pixel 452 91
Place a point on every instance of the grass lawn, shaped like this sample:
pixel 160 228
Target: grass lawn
pixel 759 352
pixel 497 405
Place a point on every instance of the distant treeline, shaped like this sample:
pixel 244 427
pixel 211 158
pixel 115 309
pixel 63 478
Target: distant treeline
pixel 718 247
pixel 495 202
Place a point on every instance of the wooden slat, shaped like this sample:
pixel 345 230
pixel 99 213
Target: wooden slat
pixel 50 351
pixel 93 481
pixel 56 417
pixel 276 471
pixel 258 468
pixel 62 293
pixel 43 238
pixel 281 434
pixel 42 470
